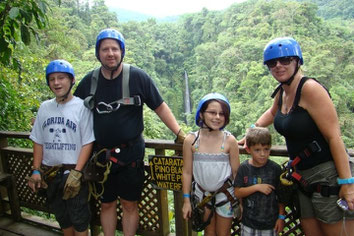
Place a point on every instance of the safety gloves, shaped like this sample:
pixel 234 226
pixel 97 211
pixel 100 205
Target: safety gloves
pixel 72 185
pixel 180 137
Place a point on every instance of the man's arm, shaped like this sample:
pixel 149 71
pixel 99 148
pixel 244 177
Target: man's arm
pixel 166 116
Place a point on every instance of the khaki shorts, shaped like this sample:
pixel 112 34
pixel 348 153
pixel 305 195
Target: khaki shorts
pixel 322 208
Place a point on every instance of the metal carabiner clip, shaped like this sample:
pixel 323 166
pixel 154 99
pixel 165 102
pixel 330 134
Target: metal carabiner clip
pixel 109 108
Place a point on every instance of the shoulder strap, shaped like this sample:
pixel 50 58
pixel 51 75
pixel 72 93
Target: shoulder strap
pixel 126 99
pixel 94 80
pixel 226 134
pixel 276 90
pixel 125 84
pixel 196 134
pixel 301 84
pixel 89 101
pixel 298 91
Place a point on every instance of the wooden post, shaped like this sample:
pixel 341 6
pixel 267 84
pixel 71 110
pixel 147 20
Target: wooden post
pixel 3 143
pixel 183 227
pixel 7 180
pixel 163 208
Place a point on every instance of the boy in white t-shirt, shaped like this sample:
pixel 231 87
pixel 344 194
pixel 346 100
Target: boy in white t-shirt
pixel 63 137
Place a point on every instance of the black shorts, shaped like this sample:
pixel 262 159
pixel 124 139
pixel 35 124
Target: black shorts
pixel 74 212
pixel 126 182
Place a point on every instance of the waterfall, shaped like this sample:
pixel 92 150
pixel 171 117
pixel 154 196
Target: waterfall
pixel 187 101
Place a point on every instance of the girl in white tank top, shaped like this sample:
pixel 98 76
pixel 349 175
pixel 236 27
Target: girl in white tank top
pixel 211 157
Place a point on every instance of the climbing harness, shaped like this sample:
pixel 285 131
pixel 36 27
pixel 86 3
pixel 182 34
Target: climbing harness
pixel 198 207
pixel 104 108
pixel 307 188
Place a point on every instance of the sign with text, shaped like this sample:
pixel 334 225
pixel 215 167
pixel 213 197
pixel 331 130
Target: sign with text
pixel 166 172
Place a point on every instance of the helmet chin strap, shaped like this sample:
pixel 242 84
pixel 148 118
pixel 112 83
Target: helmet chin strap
pixel 65 96
pixel 288 82
pixel 207 127
pixel 114 69
pixel 198 134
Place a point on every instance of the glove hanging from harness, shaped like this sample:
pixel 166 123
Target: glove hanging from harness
pixel 72 184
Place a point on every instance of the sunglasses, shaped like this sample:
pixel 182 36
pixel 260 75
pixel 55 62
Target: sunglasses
pixel 214 113
pixel 282 60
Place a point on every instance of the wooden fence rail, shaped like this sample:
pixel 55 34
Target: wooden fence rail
pixel 153 207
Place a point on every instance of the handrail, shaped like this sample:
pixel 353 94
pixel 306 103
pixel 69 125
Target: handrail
pixel 276 150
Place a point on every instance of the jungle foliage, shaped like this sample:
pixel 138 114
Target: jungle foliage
pixel 221 51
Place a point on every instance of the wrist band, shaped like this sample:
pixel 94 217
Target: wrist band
pixel 345 181
pixel 282 217
pixel 186 195
pixel 36 172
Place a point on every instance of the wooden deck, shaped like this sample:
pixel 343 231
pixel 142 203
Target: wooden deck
pixel 9 227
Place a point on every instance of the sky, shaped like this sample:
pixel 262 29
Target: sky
pixel 162 8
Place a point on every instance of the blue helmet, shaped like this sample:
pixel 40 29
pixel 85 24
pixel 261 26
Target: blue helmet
pixel 59 66
pixel 282 47
pixel 110 34
pixel 210 96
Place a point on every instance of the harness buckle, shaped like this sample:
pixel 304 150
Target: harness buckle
pixel 323 190
pixel 137 100
pixel 314 147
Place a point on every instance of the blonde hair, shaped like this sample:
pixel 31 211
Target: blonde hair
pixel 258 135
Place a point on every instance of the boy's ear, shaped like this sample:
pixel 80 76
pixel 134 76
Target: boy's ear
pixel 247 149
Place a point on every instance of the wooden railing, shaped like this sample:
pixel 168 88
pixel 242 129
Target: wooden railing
pixel 153 207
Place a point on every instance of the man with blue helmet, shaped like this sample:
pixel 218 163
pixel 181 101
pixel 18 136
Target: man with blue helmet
pixel 63 138
pixel 304 114
pixel 118 127
pixel 211 159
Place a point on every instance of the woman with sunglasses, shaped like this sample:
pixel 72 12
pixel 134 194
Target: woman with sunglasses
pixel 304 114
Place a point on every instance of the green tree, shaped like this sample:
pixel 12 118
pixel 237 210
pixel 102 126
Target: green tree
pixel 16 25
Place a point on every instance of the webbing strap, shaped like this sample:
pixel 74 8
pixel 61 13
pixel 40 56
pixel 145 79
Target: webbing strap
pixel 307 152
pixel 89 101
pixel 125 84
pixel 94 81
pixel 212 195
pixel 307 188
pixel 126 99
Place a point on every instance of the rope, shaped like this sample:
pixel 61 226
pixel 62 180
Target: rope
pixel 92 185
